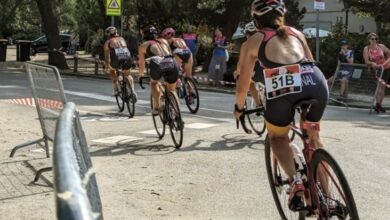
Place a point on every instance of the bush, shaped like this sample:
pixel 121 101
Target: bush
pixel 94 44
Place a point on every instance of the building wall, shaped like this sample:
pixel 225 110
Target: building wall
pixel 333 13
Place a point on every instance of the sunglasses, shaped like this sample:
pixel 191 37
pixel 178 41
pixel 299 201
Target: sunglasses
pixel 373 38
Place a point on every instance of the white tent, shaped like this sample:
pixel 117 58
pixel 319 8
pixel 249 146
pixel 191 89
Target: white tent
pixel 312 32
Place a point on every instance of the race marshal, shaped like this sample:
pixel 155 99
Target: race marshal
pixel 113 7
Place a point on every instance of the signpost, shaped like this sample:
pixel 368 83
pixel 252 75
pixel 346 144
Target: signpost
pixel 318 5
pixel 113 8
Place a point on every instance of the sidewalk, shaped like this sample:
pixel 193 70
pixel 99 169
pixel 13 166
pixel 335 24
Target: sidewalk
pixel 87 69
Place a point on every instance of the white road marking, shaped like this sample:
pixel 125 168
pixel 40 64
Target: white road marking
pixel 107 118
pixel 150 132
pixel 200 125
pixel 117 140
pixel 99 97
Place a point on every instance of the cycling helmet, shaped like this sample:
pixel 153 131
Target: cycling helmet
pixel 261 7
pixel 110 31
pixel 250 28
pixel 168 32
pixel 150 33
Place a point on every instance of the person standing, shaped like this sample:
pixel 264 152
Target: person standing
pixel 191 41
pixel 218 60
pixel 377 56
pixel 73 43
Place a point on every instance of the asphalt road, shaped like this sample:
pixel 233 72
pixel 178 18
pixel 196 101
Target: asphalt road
pixel 219 173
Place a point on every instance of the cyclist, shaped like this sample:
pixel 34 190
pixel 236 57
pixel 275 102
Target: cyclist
pixel 180 50
pixel 117 54
pixel 284 48
pixel 257 76
pixel 165 66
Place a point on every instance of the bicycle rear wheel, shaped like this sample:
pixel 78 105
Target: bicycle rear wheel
pixel 129 97
pixel 158 120
pixel 335 196
pixel 279 183
pixel 191 98
pixel 175 121
pixel 119 98
pixel 256 120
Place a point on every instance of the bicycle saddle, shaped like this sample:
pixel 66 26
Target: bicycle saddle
pixel 305 104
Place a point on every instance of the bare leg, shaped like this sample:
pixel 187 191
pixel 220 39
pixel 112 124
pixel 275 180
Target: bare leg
pixel 343 85
pixel 283 153
pixel 128 75
pixel 156 95
pixel 188 68
pixel 114 80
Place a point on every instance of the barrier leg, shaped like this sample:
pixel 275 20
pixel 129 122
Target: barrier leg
pixel 28 144
pixel 39 173
pixel 374 98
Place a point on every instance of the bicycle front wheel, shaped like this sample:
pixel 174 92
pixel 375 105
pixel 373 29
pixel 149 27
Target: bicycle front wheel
pixel 158 120
pixel 335 196
pixel 256 120
pixel 176 124
pixel 192 95
pixel 279 183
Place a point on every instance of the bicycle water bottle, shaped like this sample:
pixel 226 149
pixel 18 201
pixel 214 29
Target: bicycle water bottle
pixel 299 160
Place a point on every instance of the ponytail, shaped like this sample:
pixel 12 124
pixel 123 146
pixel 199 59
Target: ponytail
pixel 273 20
pixel 282 32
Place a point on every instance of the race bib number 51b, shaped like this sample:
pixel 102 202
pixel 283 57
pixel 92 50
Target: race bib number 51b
pixel 283 81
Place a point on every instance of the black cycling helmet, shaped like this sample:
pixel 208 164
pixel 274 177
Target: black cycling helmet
pixel 111 31
pixel 150 33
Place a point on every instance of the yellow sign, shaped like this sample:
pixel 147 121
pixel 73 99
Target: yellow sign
pixel 113 7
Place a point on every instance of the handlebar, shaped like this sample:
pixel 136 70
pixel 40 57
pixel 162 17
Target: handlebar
pixel 242 118
pixel 141 79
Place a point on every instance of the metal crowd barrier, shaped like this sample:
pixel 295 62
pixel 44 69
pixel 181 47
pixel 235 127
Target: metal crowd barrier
pixel 87 65
pixel 362 89
pixel 49 99
pixel 76 191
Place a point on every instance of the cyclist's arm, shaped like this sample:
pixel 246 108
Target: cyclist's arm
pixel 106 49
pixel 237 72
pixel 141 59
pixel 248 60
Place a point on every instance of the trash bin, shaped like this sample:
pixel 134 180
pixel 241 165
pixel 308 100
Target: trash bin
pixel 3 49
pixel 23 49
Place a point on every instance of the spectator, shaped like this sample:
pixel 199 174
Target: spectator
pixel 217 67
pixel 73 42
pixel 377 56
pixel 345 73
pixel 192 42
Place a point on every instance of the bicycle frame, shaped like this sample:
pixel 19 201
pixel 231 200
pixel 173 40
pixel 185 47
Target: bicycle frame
pixel 308 150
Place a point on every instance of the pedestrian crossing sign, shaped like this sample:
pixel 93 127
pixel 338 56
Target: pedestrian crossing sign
pixel 113 7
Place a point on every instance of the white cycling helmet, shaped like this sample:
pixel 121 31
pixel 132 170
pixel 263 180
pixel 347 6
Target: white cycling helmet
pixel 261 7
pixel 250 28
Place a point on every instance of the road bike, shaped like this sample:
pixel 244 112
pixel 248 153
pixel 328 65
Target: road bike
pixel 327 193
pixel 125 95
pixel 168 114
pixel 187 90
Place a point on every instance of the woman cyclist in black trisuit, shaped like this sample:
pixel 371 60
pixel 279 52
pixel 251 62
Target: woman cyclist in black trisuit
pixel 293 79
pixel 166 67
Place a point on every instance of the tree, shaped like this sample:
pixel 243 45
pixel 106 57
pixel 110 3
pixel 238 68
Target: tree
pixel 50 25
pixel 7 8
pixel 379 9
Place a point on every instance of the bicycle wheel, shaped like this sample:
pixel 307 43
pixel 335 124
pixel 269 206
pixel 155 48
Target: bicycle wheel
pixel 158 120
pixel 129 97
pixel 176 124
pixel 279 183
pixel 191 98
pixel 119 98
pixel 335 196
pixel 256 120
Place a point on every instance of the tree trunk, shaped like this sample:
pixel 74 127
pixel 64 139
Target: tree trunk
pixel 232 17
pixel 50 25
